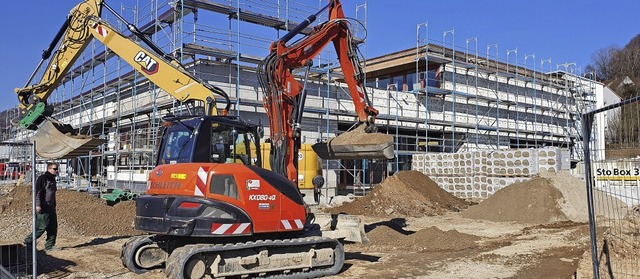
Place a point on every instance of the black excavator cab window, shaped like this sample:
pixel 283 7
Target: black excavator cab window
pixel 178 142
pixel 230 145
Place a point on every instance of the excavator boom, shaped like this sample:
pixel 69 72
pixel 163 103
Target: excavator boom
pixel 284 95
pixel 55 140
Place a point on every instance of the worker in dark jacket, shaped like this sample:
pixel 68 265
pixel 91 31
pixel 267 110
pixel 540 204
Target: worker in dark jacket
pixel 46 218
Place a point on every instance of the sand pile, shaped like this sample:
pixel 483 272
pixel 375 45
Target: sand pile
pixel 429 239
pixel 358 136
pixel 406 194
pixel 574 202
pixel 534 201
pixel 548 199
pixel 78 214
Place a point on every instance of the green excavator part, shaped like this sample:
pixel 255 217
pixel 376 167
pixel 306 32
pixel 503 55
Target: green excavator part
pixel 35 113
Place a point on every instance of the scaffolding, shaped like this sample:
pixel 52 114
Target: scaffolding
pixel 448 99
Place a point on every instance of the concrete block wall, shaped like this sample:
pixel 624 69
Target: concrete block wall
pixel 479 174
pixel 550 159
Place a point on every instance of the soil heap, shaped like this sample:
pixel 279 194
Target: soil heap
pixel 358 136
pixel 533 201
pixel 553 197
pixel 406 194
pixel 574 198
pixel 78 214
pixel 429 239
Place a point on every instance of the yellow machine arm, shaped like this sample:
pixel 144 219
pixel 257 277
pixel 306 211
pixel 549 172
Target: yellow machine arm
pixel 55 140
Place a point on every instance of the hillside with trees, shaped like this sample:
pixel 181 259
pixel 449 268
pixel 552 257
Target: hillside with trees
pixel 619 68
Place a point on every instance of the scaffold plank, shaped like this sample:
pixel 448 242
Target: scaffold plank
pixel 245 15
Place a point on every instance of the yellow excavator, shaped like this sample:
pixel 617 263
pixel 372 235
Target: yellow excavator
pixel 55 140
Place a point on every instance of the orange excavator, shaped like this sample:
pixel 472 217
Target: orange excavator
pixel 212 211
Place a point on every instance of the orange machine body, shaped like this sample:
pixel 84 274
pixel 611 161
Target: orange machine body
pixel 268 209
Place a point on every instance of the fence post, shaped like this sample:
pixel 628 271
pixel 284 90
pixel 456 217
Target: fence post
pixel 34 263
pixel 587 124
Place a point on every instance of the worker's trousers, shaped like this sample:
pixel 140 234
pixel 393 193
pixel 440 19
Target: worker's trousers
pixel 45 222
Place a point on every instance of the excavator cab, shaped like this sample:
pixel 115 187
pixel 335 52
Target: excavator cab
pixel 211 139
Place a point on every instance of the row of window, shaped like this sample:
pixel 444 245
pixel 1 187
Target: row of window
pixel 405 81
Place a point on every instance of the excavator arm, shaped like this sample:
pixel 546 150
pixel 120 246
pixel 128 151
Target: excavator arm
pixel 284 95
pixel 55 140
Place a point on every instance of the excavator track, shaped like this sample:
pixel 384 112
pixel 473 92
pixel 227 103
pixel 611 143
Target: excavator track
pixel 307 257
pixel 142 253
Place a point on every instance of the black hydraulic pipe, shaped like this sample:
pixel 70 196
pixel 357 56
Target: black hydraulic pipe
pixel 303 25
pixel 303 97
pixel 138 34
pixel 46 53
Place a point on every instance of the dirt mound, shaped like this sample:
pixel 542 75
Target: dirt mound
pixel 574 198
pixel 78 214
pixel 358 136
pixel 534 201
pixel 434 239
pixel 406 194
pixel 384 235
pixel 429 239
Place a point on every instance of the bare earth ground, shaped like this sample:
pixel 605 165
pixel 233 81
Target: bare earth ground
pixel 428 239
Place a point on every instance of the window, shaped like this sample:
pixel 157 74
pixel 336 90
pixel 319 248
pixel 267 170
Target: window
pixel 178 142
pixel 411 80
pixel 240 150
pixel 224 185
pixel 371 82
pixel 383 82
pixel 230 145
pixel 221 141
pixel 397 82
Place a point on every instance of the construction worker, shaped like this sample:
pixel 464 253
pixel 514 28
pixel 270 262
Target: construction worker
pixel 46 218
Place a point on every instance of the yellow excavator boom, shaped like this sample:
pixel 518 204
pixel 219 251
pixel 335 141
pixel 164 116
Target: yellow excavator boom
pixel 55 140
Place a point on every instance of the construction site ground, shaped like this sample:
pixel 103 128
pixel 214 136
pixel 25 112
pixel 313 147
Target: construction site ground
pixel 416 230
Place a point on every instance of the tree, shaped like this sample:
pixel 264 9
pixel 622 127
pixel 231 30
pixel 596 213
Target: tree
pixel 601 62
pixel 611 63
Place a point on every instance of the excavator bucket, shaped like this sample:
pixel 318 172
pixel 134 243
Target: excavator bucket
pixel 55 140
pixel 342 226
pixel 356 144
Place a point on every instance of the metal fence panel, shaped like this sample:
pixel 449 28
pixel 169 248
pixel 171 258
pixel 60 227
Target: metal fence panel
pixel 614 191
pixel 16 170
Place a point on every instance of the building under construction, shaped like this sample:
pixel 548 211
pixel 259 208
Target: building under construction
pixel 436 97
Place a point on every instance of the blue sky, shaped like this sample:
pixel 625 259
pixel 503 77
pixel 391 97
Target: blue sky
pixel 565 31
